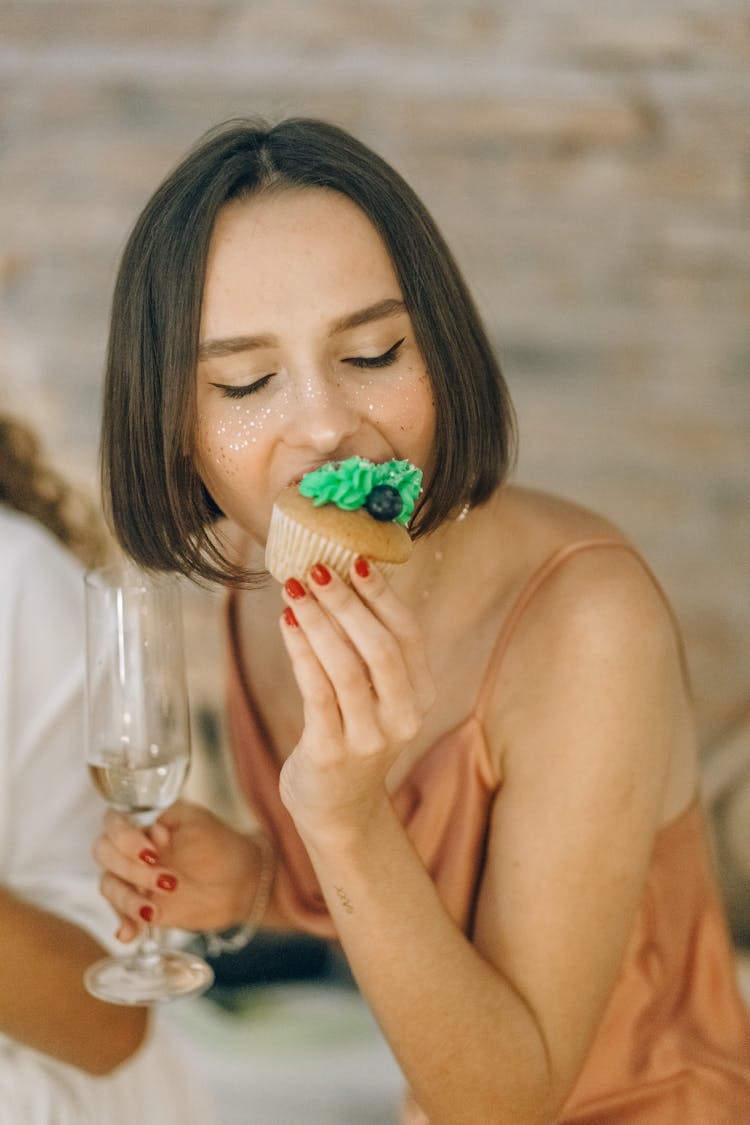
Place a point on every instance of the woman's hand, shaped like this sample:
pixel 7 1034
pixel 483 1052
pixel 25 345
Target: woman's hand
pixel 189 870
pixel 359 660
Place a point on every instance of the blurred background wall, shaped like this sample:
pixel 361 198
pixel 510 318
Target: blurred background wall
pixel 589 161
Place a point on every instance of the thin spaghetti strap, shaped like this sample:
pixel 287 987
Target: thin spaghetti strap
pixel 530 588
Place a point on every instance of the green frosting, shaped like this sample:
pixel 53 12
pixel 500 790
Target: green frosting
pixel 347 484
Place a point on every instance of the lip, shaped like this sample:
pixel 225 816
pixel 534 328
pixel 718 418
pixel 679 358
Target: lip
pixel 295 480
pixel 340 456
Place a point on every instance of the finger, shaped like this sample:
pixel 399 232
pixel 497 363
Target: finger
pixel 323 721
pixel 347 625
pixel 161 838
pixel 363 661
pixel 127 930
pixel 142 872
pixel 133 908
pixel 127 837
pixel 331 644
pixel 181 814
pixel 380 649
pixel 171 818
pixel 379 597
pixel 335 686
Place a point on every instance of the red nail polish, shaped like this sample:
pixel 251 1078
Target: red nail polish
pixel 290 619
pixel 166 882
pixel 362 567
pixel 294 588
pixel 148 856
pixel 146 913
pixel 320 575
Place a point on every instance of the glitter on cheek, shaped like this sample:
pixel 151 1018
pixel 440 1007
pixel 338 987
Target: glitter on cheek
pixel 409 389
pixel 244 428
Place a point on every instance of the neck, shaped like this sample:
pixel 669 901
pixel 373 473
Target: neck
pixel 418 581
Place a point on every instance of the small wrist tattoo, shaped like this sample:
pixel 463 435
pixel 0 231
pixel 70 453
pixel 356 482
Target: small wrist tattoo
pixel 344 899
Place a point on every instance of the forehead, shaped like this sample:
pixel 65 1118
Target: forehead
pixel 306 244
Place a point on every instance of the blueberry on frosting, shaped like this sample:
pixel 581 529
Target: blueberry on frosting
pixel 384 502
pixel 388 491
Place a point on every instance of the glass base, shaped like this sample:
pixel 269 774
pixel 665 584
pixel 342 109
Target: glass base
pixel 166 977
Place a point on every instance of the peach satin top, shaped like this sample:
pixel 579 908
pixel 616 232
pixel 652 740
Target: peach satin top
pixel 674 1043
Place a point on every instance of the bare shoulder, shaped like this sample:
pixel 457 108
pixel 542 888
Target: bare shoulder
pixel 576 572
pixel 596 648
pixel 593 567
pixel 602 602
pixel 595 592
pixel 547 521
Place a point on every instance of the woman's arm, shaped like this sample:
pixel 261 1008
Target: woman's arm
pixel 592 710
pixel 43 1002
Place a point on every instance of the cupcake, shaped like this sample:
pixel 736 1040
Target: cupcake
pixel 342 510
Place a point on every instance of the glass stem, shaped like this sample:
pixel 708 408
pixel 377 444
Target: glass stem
pixel 148 951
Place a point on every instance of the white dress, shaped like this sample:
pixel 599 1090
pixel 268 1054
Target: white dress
pixel 49 815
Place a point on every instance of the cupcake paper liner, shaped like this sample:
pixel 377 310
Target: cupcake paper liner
pixel 291 551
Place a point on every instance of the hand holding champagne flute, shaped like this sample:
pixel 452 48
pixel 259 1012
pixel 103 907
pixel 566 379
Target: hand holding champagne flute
pixel 138 747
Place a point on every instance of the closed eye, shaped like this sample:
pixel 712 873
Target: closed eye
pixel 384 360
pixel 229 390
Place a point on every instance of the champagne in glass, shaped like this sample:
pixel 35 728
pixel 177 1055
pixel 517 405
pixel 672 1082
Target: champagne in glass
pixel 138 748
pixel 139 791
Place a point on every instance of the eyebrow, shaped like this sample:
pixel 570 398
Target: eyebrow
pixel 231 345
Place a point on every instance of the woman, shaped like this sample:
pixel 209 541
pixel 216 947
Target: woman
pixel 481 775
pixel 65 1058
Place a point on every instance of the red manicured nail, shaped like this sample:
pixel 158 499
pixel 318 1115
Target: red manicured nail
pixel 146 913
pixel 148 856
pixel 294 588
pixel 166 882
pixel 362 567
pixel 320 574
pixel 290 619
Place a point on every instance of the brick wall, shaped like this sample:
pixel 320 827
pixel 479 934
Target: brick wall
pixel 589 162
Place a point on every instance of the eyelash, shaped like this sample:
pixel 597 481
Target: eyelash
pixel 384 360
pixel 242 392
pixel 367 362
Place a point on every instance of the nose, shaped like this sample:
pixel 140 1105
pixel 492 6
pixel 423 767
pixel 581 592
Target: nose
pixel 321 417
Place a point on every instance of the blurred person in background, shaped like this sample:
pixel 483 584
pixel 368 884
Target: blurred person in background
pixel 65 1057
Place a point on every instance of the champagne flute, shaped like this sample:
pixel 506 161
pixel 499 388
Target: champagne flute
pixel 138 748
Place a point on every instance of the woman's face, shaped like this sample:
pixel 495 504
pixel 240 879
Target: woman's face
pixel 307 353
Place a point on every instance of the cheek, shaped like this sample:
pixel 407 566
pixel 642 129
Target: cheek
pixel 406 394
pixel 225 442
pixel 416 414
pixel 232 427
pixel 418 402
pixel 237 428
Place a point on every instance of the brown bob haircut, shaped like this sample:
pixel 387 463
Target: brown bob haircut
pixel 158 507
